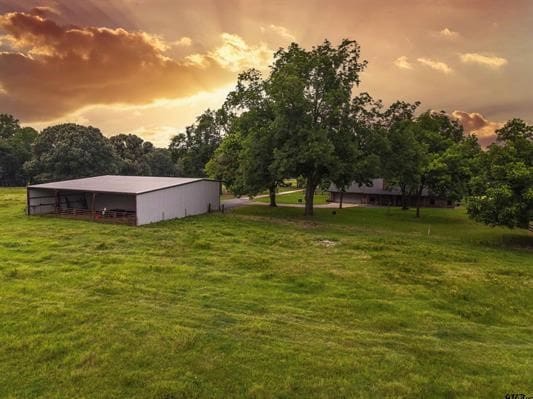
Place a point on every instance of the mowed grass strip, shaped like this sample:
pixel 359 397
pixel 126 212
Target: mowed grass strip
pixel 263 302
pixel 295 198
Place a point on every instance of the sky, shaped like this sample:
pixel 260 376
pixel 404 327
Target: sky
pixel 150 67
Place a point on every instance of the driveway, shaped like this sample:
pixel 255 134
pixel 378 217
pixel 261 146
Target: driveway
pixel 244 201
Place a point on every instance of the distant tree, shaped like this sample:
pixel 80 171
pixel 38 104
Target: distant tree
pixel 311 91
pixel 192 149
pixel 502 192
pixel 69 151
pixel 251 112
pixel 225 164
pixel 15 150
pixel 445 161
pixel 132 151
pixel 358 146
pixel 8 126
pixel 160 162
pixel 403 158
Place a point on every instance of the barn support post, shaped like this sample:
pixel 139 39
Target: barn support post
pixel 92 206
pixel 136 212
pixel 56 194
pixel 27 201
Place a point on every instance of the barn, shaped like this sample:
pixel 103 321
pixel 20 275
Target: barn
pixel 135 200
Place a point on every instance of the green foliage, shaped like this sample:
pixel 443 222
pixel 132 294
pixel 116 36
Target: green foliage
pixel 428 153
pixel 502 191
pixel 225 164
pixel 312 93
pixel 15 150
pixel 193 149
pixel 71 151
pixel 8 126
pixel 141 158
pixel 160 162
pixel 131 150
pixel 250 111
pixel 263 302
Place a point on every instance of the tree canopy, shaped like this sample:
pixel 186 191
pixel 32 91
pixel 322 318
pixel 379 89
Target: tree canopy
pixel 502 192
pixel 70 151
pixel 15 150
pixel 192 149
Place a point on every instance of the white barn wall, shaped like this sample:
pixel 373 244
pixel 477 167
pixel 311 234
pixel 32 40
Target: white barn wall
pixel 37 206
pixel 177 202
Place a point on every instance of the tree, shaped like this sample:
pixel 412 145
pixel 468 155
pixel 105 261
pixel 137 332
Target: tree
pixel 311 91
pixel 225 165
pixel 132 151
pixel 440 138
pixel 192 149
pixel 15 150
pixel 250 110
pixel 403 158
pixel 8 126
pixel 502 192
pixel 358 146
pixel 160 162
pixel 69 151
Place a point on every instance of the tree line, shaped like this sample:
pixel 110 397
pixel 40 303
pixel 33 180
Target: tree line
pixel 302 120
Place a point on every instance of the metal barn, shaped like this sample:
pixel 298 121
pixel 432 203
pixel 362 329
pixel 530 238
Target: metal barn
pixel 135 200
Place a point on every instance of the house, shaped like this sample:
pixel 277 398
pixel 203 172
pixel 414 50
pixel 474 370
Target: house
pixel 381 193
pixel 133 200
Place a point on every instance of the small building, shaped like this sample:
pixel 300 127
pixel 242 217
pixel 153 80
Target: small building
pixel 135 200
pixel 382 194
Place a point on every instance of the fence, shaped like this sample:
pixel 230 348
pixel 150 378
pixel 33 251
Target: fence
pixel 113 216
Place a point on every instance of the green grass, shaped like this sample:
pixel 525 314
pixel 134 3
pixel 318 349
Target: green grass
pixel 293 198
pixel 259 303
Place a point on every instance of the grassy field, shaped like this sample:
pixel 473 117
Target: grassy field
pixel 264 303
pixel 293 198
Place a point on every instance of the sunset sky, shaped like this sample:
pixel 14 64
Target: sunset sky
pixel 149 67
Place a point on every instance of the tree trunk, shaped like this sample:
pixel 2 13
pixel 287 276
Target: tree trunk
pixel 341 198
pixel 418 198
pixel 404 198
pixel 272 194
pixel 309 193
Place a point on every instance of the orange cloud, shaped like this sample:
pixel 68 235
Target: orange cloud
pixel 448 34
pixel 53 70
pixel 477 124
pixel 436 65
pixel 403 63
pixel 490 61
pixel 235 54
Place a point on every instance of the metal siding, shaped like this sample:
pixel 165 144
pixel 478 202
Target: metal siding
pixel 178 202
pixel 35 207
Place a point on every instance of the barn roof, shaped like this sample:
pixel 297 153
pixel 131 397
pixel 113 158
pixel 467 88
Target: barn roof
pixel 118 184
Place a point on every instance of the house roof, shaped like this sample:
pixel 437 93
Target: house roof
pixel 118 184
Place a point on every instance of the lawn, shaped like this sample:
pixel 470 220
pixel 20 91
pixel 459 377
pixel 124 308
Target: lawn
pixel 294 198
pixel 264 303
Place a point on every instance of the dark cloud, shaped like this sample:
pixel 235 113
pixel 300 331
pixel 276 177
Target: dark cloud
pixel 54 69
